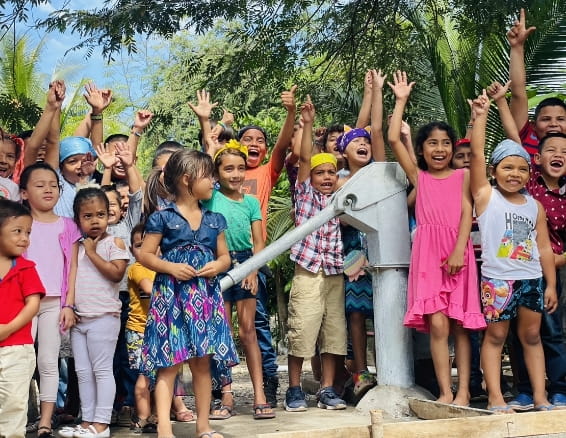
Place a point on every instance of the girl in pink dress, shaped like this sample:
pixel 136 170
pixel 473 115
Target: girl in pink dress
pixel 442 295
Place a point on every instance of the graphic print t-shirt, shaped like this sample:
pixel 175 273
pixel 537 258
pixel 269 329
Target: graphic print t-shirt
pixel 508 239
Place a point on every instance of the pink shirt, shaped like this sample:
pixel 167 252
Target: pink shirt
pixel 95 295
pixel 46 252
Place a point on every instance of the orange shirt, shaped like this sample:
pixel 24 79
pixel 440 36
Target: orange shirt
pixel 259 182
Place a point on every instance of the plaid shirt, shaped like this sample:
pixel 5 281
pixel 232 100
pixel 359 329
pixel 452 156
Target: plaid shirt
pixel 323 247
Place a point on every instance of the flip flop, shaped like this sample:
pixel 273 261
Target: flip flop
pixel 505 409
pixel 184 416
pixel 260 414
pixel 209 434
pixel 221 416
pixel 541 408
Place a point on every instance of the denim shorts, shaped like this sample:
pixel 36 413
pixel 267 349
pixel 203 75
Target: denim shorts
pixel 501 299
pixel 237 292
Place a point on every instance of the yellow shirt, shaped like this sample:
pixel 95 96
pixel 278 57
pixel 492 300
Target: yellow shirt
pixel 139 301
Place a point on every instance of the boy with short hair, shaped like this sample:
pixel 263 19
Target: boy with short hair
pixel 316 302
pixel 20 292
pixel 550 114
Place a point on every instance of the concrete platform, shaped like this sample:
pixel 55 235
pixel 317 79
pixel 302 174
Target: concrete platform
pixel 243 425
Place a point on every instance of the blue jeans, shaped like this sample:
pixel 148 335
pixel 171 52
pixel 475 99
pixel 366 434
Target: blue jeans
pixel 263 331
pixel 554 354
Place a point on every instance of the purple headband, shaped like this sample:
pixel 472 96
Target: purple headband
pixel 344 140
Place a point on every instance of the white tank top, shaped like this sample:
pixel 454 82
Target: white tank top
pixel 508 239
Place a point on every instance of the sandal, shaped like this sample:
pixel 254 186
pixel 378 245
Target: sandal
pixel 47 432
pixel 210 434
pixel 260 411
pixel 184 416
pixel 143 425
pixel 220 415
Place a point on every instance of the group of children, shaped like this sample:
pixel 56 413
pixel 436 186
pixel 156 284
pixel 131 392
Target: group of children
pixel 66 244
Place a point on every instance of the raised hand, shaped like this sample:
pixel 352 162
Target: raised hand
pixel 124 154
pixel 142 119
pixel 98 99
pixel 203 108
pixel 227 117
pixel 378 78
pixel 519 33
pixel 497 91
pixel 401 88
pixel 480 106
pixel 288 98
pixel 307 111
pixel 368 80
pixel 108 159
pixel 87 167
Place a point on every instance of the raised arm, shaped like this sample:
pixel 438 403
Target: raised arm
pixel 497 92
pixel 41 130
pixel 99 100
pixel 203 110
pixel 307 114
pixel 286 134
pixel 142 120
pixel 365 109
pixel 517 36
pixel 402 89
pixel 377 141
pixel 479 185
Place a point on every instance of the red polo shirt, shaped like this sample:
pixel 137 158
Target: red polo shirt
pixel 20 282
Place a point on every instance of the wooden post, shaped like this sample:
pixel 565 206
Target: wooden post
pixel 376 424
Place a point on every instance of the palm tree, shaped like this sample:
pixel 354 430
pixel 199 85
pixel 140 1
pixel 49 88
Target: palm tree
pixel 20 84
pixel 465 56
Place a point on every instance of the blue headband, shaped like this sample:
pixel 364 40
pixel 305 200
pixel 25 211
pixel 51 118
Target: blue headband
pixel 344 140
pixel 506 149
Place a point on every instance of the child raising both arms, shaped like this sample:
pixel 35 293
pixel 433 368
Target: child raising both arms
pixel 442 295
pixel 518 275
pixel 186 320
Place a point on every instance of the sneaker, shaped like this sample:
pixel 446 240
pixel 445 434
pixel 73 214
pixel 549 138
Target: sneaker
pixel 328 399
pixel 69 431
pixel 91 432
pixel 125 416
pixel 558 400
pixel 295 400
pixel 363 382
pixel 270 386
pixel 523 402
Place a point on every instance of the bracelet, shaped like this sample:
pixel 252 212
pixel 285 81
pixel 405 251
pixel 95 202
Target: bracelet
pixel 133 131
pixel 469 126
pixel 221 124
pixel 96 116
pixel 69 306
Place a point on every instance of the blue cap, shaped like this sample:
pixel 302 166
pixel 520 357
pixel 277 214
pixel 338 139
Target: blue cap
pixel 75 145
pixel 506 149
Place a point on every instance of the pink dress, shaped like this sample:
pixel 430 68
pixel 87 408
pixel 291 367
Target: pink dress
pixel 431 289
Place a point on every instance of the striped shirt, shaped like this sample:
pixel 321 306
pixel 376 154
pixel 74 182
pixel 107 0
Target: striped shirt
pixel 95 295
pixel 323 247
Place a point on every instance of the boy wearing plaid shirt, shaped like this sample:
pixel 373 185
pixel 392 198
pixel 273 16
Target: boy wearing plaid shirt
pixel 316 301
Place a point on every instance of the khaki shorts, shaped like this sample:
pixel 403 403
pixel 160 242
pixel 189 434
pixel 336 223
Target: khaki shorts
pixel 316 312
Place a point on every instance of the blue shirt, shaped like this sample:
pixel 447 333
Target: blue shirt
pixel 176 231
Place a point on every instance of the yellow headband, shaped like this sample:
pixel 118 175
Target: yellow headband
pixel 323 158
pixel 232 144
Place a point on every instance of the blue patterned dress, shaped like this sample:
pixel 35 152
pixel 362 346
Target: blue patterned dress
pixel 186 318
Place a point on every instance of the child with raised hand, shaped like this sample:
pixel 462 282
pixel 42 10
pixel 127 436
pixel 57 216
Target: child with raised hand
pixel 187 320
pixel 101 263
pixel 53 248
pixel 442 295
pixel 20 294
pixel 244 239
pixel 359 148
pixel 518 276
pixel 316 301
pixel 550 113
